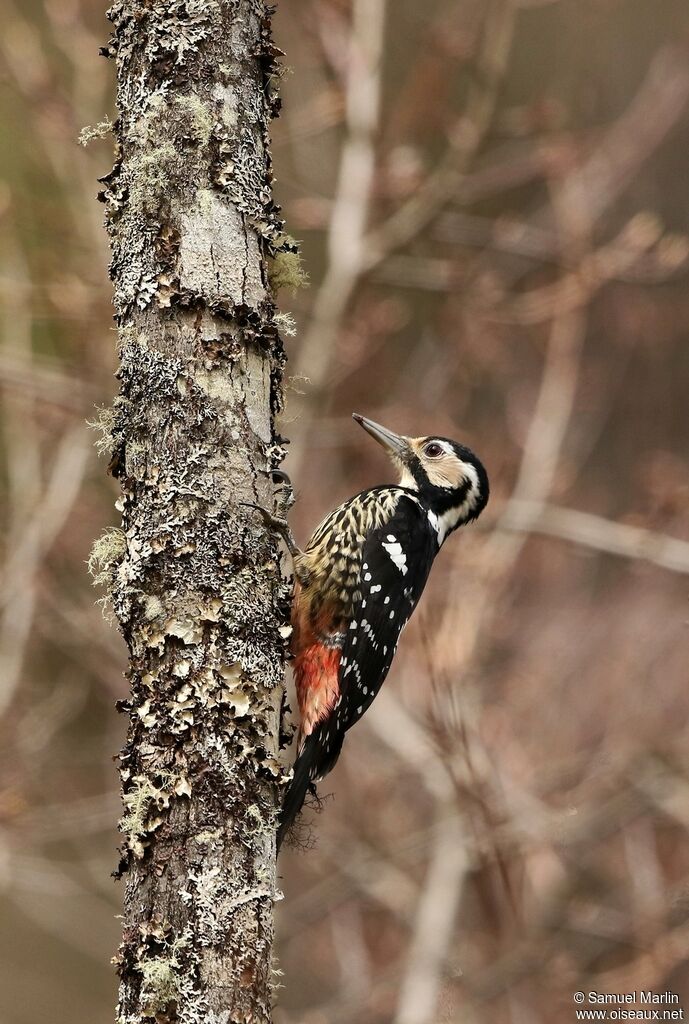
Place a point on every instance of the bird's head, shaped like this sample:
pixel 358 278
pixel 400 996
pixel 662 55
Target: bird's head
pixel 447 477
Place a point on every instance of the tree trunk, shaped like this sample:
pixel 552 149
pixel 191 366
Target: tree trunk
pixel 197 587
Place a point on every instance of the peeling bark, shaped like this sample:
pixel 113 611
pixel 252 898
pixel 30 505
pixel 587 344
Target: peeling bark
pixel 196 583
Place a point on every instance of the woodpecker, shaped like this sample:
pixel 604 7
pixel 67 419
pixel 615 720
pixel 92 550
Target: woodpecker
pixel 357 583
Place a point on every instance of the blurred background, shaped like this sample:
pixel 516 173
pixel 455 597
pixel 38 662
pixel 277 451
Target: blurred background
pixel 492 204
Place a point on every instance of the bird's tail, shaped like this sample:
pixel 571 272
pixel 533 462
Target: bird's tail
pixel 297 788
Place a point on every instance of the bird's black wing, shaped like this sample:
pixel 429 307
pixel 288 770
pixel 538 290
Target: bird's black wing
pixel 396 561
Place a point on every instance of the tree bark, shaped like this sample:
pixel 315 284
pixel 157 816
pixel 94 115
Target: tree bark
pixel 197 587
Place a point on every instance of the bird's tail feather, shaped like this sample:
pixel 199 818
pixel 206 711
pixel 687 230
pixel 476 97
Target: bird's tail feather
pixel 297 789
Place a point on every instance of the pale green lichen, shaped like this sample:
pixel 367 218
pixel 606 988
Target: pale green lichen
pixel 285 268
pixel 197 118
pixel 255 826
pixel 208 836
pixel 107 551
pixel 285 271
pixel 159 138
pixel 151 173
pixel 96 131
pixel 160 983
pixel 130 335
pixel 276 975
pixel 161 978
pixel 153 607
pixel 138 802
pixel 285 323
pixel 145 801
pixel 104 423
pixel 145 131
pixel 136 458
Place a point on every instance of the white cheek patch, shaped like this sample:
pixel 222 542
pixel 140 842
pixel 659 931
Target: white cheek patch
pixel 394 549
pixel 437 478
pixel 446 522
pixel 446 472
pixel 471 474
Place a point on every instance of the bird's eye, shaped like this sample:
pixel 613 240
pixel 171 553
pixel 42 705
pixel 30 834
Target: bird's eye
pixel 433 450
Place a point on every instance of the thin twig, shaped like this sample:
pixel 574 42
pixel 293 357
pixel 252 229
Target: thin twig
pixel 434 925
pixel 32 544
pixel 350 208
pixel 407 222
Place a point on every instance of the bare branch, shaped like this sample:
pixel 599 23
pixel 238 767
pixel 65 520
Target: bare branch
pixel 598 533
pixel 434 926
pixel 406 223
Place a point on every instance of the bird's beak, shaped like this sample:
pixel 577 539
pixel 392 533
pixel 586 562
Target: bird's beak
pixel 393 443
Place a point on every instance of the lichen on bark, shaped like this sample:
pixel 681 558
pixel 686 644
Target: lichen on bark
pixel 197 585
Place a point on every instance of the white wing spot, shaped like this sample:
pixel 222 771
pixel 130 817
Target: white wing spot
pixel 392 614
pixel 392 537
pixel 376 588
pixel 397 555
pixel 387 600
pixel 367 577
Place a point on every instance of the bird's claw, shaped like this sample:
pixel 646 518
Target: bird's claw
pixel 278 523
pixel 285 492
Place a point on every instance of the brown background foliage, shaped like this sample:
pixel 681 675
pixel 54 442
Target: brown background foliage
pixel 491 200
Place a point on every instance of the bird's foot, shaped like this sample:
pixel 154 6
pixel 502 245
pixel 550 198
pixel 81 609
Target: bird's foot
pixel 277 521
pixel 279 526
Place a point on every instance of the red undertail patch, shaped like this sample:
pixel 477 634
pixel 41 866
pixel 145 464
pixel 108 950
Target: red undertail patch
pixel 316 670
